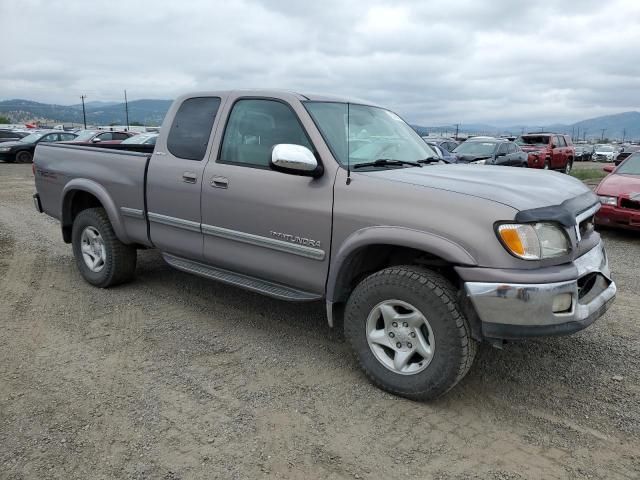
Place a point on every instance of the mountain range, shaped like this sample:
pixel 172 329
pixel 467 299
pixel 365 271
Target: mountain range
pixel 145 112
pixel 151 112
pixel 617 126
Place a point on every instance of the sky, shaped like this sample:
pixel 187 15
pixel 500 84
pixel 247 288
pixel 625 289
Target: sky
pixel 435 62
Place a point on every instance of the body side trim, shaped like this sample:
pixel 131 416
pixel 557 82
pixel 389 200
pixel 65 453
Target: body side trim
pixel 174 222
pixel 132 212
pixel 260 241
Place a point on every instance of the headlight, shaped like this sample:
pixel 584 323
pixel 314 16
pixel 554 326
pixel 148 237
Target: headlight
pixel 606 200
pixel 5 149
pixel 479 162
pixel 534 241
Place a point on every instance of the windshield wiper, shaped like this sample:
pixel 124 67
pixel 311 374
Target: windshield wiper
pixel 431 160
pixel 387 162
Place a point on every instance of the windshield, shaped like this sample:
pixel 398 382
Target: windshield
pixel 84 135
pixel 33 138
pixel 141 139
pixel 361 134
pixel 538 140
pixel 631 166
pixel 604 148
pixel 475 148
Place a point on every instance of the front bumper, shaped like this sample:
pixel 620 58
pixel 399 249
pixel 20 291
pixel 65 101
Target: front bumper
pixel 611 216
pixel 513 310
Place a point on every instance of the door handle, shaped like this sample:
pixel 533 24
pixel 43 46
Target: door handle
pixel 219 182
pixel 189 177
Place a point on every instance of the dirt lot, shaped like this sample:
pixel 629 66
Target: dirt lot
pixel 174 376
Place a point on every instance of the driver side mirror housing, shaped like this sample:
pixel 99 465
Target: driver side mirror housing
pixel 295 160
pixel 96 140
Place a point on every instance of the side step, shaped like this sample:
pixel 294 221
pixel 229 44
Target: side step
pixel 265 287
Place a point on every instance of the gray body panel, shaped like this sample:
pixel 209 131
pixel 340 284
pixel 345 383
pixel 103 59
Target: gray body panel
pixel 116 178
pixel 299 231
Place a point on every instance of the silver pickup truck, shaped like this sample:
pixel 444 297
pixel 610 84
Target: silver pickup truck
pixel 314 198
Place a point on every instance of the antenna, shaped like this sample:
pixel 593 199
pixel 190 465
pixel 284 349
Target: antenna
pixel 348 159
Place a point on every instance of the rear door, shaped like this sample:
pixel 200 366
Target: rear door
pixel 174 177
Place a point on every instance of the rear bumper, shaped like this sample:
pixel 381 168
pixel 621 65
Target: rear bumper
pixel 611 216
pixel 516 310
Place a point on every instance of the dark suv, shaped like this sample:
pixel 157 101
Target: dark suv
pixel 550 151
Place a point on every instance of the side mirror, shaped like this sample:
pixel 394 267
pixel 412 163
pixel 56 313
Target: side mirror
pixel 295 160
pixel 608 168
pixel 96 140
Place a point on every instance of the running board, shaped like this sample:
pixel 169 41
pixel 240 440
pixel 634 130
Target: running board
pixel 265 287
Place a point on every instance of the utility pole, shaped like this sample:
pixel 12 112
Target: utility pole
pixel 457 126
pixel 84 113
pixel 584 134
pixel 624 134
pixel 573 132
pixel 126 108
pixel 602 136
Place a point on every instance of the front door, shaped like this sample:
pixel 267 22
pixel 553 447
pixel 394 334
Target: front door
pixel 260 222
pixel 174 178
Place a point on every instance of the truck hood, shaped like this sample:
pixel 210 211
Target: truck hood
pixel 520 188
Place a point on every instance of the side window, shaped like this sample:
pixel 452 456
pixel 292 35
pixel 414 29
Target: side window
pixel 65 137
pixel 254 127
pixel 105 136
pixel 504 148
pixel 512 148
pixel 52 137
pixel 119 136
pixel 191 127
pixel 4 135
pixel 568 141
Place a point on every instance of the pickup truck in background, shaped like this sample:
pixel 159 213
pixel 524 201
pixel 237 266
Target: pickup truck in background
pixel 549 151
pixel 314 198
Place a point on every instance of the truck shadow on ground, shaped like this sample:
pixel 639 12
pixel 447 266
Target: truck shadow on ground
pixel 538 372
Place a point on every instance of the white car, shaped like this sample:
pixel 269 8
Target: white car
pixel 604 153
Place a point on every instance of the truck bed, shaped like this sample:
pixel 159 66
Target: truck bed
pixel 116 176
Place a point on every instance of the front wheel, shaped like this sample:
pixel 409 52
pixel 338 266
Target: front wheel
pixel 24 157
pixel 408 333
pixel 102 259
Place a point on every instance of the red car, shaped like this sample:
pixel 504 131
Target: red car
pixel 619 194
pixel 548 150
pixel 101 136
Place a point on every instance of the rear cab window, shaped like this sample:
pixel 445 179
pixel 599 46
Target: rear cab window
pixel 191 128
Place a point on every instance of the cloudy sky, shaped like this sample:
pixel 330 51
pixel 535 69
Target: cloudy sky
pixel 443 61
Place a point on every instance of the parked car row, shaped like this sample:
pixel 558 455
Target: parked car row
pixel 539 150
pixel 18 146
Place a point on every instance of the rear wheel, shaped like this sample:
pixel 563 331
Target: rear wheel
pixel 24 157
pixel 568 167
pixel 102 259
pixel 408 333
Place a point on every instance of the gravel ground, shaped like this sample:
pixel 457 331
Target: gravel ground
pixel 174 376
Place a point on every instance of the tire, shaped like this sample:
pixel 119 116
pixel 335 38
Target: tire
pixel 568 167
pixel 447 332
pixel 118 261
pixel 547 165
pixel 24 157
